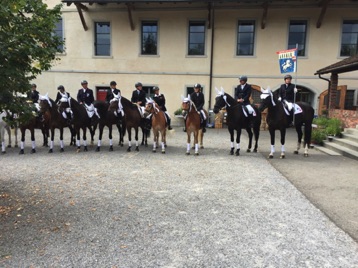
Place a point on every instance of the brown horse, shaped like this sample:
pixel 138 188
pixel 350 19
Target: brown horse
pixel 132 119
pixel 159 124
pixel 192 124
pixel 5 125
pixel 48 106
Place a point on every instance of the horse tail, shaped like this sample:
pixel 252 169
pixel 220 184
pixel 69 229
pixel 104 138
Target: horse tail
pixel 101 108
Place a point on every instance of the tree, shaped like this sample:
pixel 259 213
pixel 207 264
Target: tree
pixel 28 46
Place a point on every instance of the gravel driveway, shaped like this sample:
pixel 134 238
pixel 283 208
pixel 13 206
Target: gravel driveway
pixel 140 209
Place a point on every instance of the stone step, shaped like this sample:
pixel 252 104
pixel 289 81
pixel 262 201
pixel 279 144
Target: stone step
pixel 350 137
pixel 352 131
pixel 353 145
pixel 326 150
pixel 341 149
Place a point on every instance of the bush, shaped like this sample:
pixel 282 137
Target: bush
pixel 318 135
pixel 334 127
pixel 178 111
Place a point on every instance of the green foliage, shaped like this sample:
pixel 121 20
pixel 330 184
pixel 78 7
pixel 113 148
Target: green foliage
pixel 326 127
pixel 318 135
pixel 28 47
pixel 334 127
pixel 321 122
pixel 178 111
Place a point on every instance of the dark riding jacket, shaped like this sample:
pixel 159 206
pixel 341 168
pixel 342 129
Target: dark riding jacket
pixel 59 96
pixel 198 99
pixel 139 95
pixel 34 95
pixel 287 92
pixel 160 100
pixel 85 96
pixel 110 94
pixel 243 93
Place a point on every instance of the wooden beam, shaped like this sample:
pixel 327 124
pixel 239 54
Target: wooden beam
pixel 131 23
pixel 79 9
pixel 83 7
pixel 264 15
pixel 324 5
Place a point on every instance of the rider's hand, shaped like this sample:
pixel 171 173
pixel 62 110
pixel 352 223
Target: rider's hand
pixel 240 100
pixel 279 99
pixel 295 90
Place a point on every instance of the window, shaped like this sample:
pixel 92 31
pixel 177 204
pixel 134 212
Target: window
pixel 149 38
pixel 297 35
pixel 349 101
pixel 245 38
pixel 196 38
pixel 349 42
pixel 189 90
pixel 148 91
pixel 102 39
pixel 59 33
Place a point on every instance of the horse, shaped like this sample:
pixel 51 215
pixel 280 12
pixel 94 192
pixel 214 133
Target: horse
pixel 80 120
pixel 133 119
pixel 236 120
pixel 193 125
pixel 5 126
pixel 31 123
pixel 48 106
pixel 277 119
pixel 159 124
pixel 108 117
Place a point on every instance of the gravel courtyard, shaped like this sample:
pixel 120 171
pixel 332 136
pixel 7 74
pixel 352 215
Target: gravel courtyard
pixel 140 209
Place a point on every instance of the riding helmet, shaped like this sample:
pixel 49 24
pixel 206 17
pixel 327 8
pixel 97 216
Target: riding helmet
pixel 243 78
pixel 84 82
pixel 138 84
pixel 60 87
pixel 287 76
pixel 155 88
pixel 197 85
pixel 113 83
pixel 33 85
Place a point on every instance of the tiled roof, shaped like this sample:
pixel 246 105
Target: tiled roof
pixel 343 66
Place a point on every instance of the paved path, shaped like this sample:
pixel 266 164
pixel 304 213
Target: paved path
pixel 139 209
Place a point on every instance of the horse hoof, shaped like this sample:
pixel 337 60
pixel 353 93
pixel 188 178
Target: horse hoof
pixel 305 155
pixel 22 151
pixel 129 149
pixel 9 146
pixel 165 145
pixel 248 151
pixel 4 152
pixel 98 149
pixel 187 153
pixel 154 151
pixel 270 156
pixel 33 151
pixel 50 151
pixel 237 153
pixel 163 152
pixel 85 149
pixel 62 150
pixel 111 148
pixel 231 152
pixel 196 154
pixel 295 152
pixel 201 147
pixel 282 156
pixel 137 148
pixel 255 150
pixel 16 146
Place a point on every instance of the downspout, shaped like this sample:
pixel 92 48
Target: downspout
pixel 211 53
pixel 329 89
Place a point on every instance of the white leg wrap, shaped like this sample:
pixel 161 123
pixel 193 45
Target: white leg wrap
pixel 51 144
pixel 84 143
pixel 99 143
pixel 232 145
pixel 129 143
pixel 163 146
pixel 196 147
pixel 110 142
pixel 282 148
pixel 188 147
pixel 22 145
pixel 61 143
pixel 78 143
pixel 237 145
pixel 272 149
pixel 306 149
pixel 136 143
pixel 154 145
pixel 33 143
pixel 3 146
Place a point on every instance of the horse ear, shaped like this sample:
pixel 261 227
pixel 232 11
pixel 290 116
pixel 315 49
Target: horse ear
pixel 182 98
pixel 189 96
pixel 222 90
pixel 268 88
pixel 217 91
pixel 262 89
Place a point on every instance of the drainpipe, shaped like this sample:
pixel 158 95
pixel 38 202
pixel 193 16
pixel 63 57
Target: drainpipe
pixel 211 53
pixel 329 89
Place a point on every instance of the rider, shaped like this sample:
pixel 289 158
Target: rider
pixel 113 90
pixel 63 95
pixel 197 97
pixel 160 100
pixel 34 94
pixel 287 93
pixel 86 98
pixel 138 97
pixel 243 94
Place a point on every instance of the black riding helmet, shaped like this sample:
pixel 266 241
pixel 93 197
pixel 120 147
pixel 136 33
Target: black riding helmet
pixel 155 88
pixel 243 78
pixel 60 87
pixel 138 84
pixel 197 85
pixel 113 83
pixel 287 76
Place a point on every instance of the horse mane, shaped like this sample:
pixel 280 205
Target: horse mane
pixel 193 104
pixel 127 102
pixel 102 108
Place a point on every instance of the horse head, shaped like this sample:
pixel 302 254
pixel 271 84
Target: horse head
pixel 45 103
pixel 220 100
pixel 186 103
pixel 267 99
pixel 150 106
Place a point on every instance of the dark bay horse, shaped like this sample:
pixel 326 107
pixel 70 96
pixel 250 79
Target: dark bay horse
pixel 277 119
pixel 80 120
pixel 159 124
pixel 236 120
pixel 192 124
pixel 109 116
pixel 4 125
pixel 48 106
pixel 132 119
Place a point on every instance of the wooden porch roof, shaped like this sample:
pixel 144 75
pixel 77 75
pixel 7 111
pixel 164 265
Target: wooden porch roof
pixel 347 65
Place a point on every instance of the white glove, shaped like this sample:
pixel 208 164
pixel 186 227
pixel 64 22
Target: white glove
pixel 279 99
pixel 295 90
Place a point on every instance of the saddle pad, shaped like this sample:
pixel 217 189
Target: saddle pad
pixel 297 108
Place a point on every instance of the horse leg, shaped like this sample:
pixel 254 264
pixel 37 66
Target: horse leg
pixel 73 136
pixel 155 140
pixel 188 133
pixel 92 132
pixel 136 139
pixel 238 133
pixel 15 131
pixel 120 142
pixel 33 144
pixel 232 148
pixel 129 131
pixel 2 135
pixel 272 137
pixel 196 137
pixel 78 139
pixel 163 134
pixel 52 139
pixel 299 138
pixel 308 132
pixel 110 138
pixel 201 138
pixel 101 127
pixel 257 134
pixel 22 141
pixel 84 138
pixel 249 132
pixel 283 136
pixel 61 140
